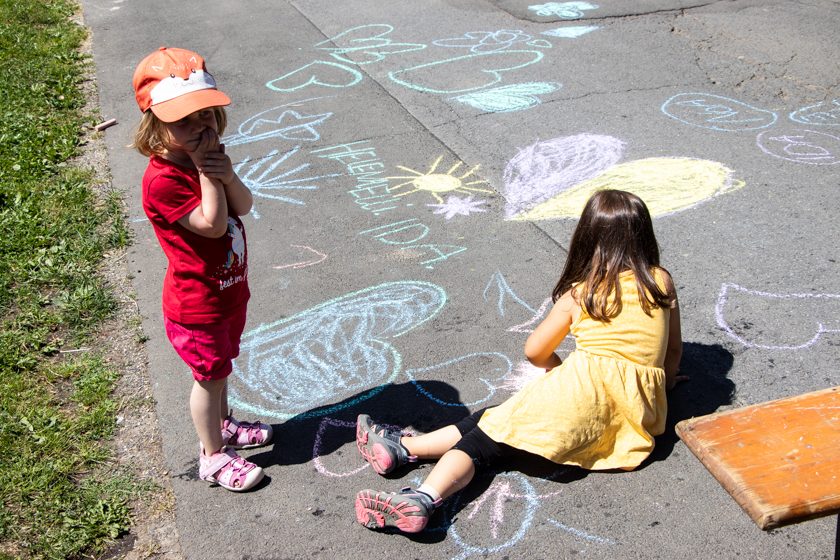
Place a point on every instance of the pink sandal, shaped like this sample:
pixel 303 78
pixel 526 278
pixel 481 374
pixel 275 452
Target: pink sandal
pixel 245 435
pixel 227 469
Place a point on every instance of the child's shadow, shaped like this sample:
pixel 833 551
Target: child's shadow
pixel 708 389
pixel 403 405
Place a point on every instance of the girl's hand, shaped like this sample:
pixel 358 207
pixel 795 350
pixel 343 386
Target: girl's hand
pixel 217 165
pixel 209 142
pixel 673 381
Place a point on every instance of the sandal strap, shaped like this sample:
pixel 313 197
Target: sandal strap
pixel 242 433
pixel 234 473
pixel 217 462
pixel 230 428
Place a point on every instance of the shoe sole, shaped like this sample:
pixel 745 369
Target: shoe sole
pixel 376 513
pixel 376 454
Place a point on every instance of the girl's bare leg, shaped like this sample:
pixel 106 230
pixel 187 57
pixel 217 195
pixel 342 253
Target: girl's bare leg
pixel 432 445
pixel 205 407
pixel 452 473
pixel 224 410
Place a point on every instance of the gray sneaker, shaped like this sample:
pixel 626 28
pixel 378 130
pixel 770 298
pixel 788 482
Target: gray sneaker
pixel 407 510
pixel 380 447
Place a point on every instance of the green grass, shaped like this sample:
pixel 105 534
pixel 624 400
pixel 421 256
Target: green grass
pixel 61 496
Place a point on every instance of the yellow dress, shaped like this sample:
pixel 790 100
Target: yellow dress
pixel 602 406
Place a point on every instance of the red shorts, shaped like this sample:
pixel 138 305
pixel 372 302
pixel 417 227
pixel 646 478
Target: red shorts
pixel 208 349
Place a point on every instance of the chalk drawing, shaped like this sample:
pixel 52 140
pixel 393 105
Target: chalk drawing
pixel 328 423
pixel 539 43
pixel 581 534
pixel 279 122
pixel 265 180
pixel 317 73
pixel 775 321
pixel 486 41
pixel 505 99
pixel 503 291
pixel 491 367
pixel 406 234
pixel 667 185
pixel 502 498
pixel 371 190
pixel 499 284
pixel 464 73
pixel 824 113
pixel 319 257
pixel 522 374
pixel 571 32
pixel 716 112
pixel 562 10
pixel 545 169
pixel 435 182
pixel 528 326
pixel 348 431
pixel 368 43
pixel 457 206
pixel 336 352
pixel 801 146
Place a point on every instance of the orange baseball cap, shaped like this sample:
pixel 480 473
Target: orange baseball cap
pixel 174 83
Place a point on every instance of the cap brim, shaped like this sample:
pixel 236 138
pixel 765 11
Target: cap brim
pixel 179 107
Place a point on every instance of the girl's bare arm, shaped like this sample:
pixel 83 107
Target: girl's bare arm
pixel 542 343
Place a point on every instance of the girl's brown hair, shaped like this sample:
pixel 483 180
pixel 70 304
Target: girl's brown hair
pixel 614 234
pixel 150 137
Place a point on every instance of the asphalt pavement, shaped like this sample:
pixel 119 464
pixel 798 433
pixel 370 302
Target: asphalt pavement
pixel 417 168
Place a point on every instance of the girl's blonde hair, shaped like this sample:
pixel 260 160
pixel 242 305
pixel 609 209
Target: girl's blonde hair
pixel 150 137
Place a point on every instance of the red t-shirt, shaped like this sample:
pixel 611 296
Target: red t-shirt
pixel 207 278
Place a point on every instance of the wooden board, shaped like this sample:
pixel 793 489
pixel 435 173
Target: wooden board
pixel 780 460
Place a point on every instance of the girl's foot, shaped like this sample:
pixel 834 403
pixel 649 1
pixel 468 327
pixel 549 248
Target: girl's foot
pixel 408 510
pixel 380 446
pixel 227 469
pixel 245 435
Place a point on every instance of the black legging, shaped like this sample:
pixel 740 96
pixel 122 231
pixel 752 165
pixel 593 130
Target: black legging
pixel 483 450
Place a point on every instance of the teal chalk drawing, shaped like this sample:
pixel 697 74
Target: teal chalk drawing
pixel 486 41
pixel 562 10
pixel 492 368
pixel 317 73
pixel 266 179
pixel 332 356
pixel 505 99
pixel 539 43
pixel 501 290
pixel 472 71
pixel 367 43
pixel 279 122
pixel 571 32
pixel 822 114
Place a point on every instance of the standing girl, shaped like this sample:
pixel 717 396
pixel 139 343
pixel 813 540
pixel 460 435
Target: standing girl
pixel 599 409
pixel 193 199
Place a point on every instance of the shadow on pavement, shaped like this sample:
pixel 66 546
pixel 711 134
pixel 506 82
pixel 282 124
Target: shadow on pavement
pixel 396 404
pixel 705 392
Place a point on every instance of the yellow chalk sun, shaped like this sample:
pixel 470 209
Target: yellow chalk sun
pixel 435 183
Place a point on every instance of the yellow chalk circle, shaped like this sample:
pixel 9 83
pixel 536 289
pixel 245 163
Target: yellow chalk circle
pixel 666 185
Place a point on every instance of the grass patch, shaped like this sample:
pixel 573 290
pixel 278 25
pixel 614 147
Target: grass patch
pixel 61 496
